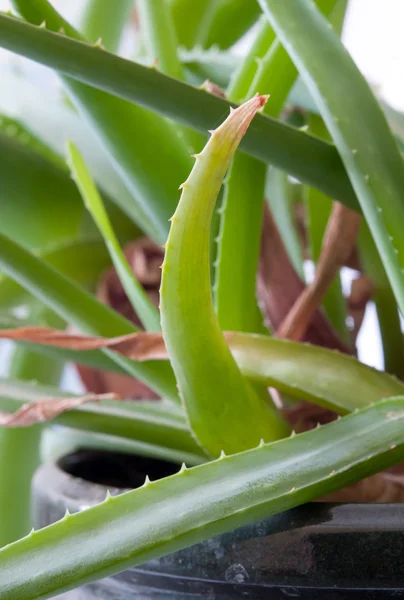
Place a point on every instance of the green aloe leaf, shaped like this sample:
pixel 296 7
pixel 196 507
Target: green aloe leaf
pixel 45 114
pixel 212 389
pixel 106 20
pixel 386 306
pixel 199 503
pixel 187 15
pixel 23 172
pixel 304 156
pixel 156 423
pixel 148 314
pixel 356 124
pixel 226 21
pixel 311 373
pixel 117 124
pixel 23 444
pixel 75 305
pixel 83 260
pixel 279 193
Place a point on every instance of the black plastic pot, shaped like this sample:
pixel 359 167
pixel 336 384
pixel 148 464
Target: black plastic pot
pixel 317 551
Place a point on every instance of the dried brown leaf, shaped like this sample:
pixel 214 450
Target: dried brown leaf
pixel 47 409
pixel 279 286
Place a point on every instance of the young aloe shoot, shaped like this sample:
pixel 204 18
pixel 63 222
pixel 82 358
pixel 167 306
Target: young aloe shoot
pixel 211 386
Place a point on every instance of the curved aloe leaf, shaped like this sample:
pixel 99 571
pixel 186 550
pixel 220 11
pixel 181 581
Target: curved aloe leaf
pixel 118 124
pixel 311 373
pixel 356 123
pixel 304 156
pixel 201 502
pixel 211 387
pixel 155 423
pixel 92 199
pixel 75 305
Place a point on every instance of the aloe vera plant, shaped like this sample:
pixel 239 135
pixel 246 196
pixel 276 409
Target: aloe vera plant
pixel 231 392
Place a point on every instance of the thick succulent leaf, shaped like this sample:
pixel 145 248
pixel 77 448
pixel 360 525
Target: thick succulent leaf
pixel 211 387
pixel 304 156
pixel 152 422
pixel 311 373
pixel 196 504
pixel 75 305
pixel 148 314
pixel 356 123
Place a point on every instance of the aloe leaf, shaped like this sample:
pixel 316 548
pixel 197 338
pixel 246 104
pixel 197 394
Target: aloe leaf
pixel 75 305
pixel 187 15
pixel 53 120
pixel 106 20
pixel 386 305
pixel 135 292
pixel 241 218
pixel 311 373
pixel 82 260
pixel 161 44
pixel 278 192
pixel 117 124
pixel 356 123
pixel 243 75
pixel 56 443
pixel 211 64
pixel 225 21
pixel 23 172
pixel 239 242
pixel 202 502
pixel 23 444
pixel 239 246
pixel 150 422
pixel 160 36
pixel 304 156
pixel 212 389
